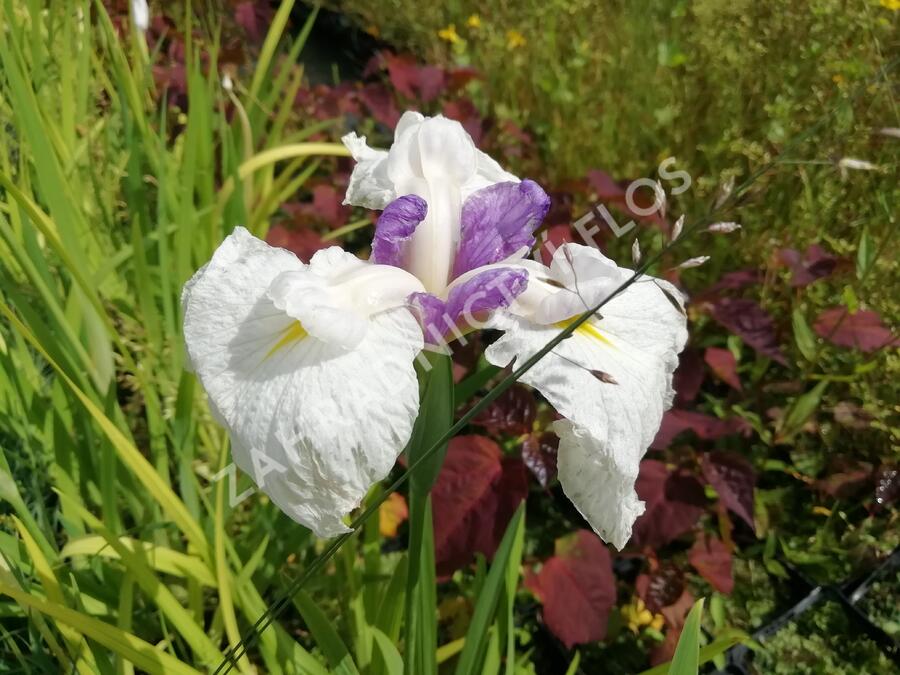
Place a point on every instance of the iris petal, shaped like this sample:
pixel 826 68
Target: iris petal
pixel 611 383
pixel 497 221
pixel 468 301
pixel 315 423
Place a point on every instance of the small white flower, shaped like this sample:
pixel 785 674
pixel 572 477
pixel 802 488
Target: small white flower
pixel 723 228
pixel 857 164
pixel 725 191
pixel 140 14
pixel 636 252
pixel 660 198
pixel 227 83
pixel 676 229
pixel 693 262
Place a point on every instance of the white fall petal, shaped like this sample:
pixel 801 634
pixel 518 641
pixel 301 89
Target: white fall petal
pixel 611 380
pixel 264 334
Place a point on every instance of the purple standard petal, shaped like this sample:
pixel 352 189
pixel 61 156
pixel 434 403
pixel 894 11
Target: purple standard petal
pixel 486 291
pixel 395 227
pixel 497 221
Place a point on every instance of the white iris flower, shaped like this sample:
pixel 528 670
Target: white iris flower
pixel 311 367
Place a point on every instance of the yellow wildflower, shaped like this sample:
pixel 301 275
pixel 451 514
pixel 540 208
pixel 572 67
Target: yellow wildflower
pixel 636 615
pixel 449 34
pixel 391 513
pixel 514 39
pixel 474 21
pixel 892 5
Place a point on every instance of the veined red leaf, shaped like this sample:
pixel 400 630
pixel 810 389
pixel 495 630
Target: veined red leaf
pixel 474 497
pixel 863 330
pixel 539 455
pixel 512 413
pixel 674 501
pixel 746 319
pixel 724 365
pixel 733 478
pixel 706 427
pixel 712 560
pixel 577 588
pixel 688 377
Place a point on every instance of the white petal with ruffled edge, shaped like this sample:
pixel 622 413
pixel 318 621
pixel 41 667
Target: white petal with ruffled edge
pixel 611 380
pixel 313 422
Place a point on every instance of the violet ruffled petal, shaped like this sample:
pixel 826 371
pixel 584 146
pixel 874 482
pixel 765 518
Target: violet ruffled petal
pixel 395 227
pixel 497 221
pixel 486 291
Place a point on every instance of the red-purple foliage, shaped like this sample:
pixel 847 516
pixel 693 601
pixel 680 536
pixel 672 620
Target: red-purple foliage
pixel 674 503
pixel 577 588
pixel 746 319
pixel 863 330
pixel 474 498
pixel 733 478
pixel 712 559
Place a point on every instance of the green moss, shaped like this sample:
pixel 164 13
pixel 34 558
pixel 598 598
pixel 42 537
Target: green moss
pixel 821 641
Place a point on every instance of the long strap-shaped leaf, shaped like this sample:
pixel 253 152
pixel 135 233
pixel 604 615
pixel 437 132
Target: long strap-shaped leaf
pixel 504 567
pixel 140 653
pixel 130 456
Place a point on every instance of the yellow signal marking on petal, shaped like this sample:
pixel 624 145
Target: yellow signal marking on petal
pixel 585 329
pixel 292 333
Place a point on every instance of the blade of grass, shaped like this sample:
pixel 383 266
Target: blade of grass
pixel 128 454
pixel 687 652
pixel 326 636
pixel 504 567
pixel 142 654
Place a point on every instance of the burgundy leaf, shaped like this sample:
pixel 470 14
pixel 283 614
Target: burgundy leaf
pixel 724 365
pixel 746 319
pixel 302 242
pixel 810 266
pixel 424 83
pixel 577 589
pixel 688 377
pixel 736 280
pixel 660 588
pixel 613 193
pixel 704 426
pixel 381 104
pixel 712 559
pixel 459 76
pixel 327 201
pixel 512 413
pixel 605 186
pixel 465 112
pixel 539 455
pixel 473 499
pixel 862 330
pixel 431 82
pixel 733 478
pixel 848 483
pixel 552 238
pixel 254 18
pixel 402 72
pixel 674 501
